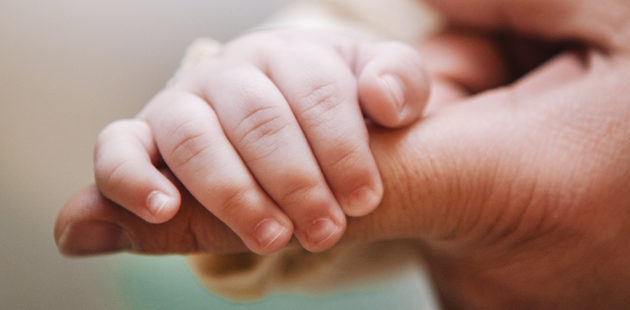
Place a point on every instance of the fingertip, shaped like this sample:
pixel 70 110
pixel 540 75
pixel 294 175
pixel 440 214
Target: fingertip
pixel 93 238
pixel 390 100
pixel 322 234
pixel 362 201
pixel 145 192
pixel 271 235
pixel 162 207
pixel 84 226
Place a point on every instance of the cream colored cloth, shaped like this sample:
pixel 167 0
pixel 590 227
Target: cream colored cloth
pixel 248 276
pixel 251 277
pixel 402 20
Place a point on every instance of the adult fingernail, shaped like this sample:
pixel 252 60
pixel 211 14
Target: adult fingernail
pixel 267 232
pixel 361 201
pixel 92 238
pixel 321 230
pixel 157 201
pixel 394 89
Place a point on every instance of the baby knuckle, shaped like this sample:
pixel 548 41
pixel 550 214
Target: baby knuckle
pixel 260 124
pixel 319 102
pixel 254 42
pixel 110 176
pixel 236 70
pixel 191 143
pixel 321 98
pixel 112 130
pixel 124 128
pixel 234 199
pixel 345 156
pixel 221 71
pixel 302 190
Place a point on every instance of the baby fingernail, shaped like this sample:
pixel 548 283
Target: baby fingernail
pixel 92 238
pixel 267 232
pixel 321 230
pixel 394 89
pixel 157 201
pixel 361 201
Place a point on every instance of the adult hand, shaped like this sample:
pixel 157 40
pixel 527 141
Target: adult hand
pixel 523 199
pixel 519 195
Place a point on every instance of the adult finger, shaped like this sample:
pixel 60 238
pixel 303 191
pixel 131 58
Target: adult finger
pixel 90 224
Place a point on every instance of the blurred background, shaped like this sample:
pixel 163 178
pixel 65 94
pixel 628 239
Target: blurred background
pixel 67 68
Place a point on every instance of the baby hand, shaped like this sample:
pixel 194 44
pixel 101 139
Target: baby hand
pixel 267 135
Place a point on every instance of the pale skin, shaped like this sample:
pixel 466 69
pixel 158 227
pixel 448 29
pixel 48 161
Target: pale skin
pixel 268 135
pixel 518 195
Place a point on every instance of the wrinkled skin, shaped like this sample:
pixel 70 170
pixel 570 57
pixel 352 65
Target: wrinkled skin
pixel 519 195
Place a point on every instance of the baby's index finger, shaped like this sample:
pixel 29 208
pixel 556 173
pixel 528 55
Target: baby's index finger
pixel 393 85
